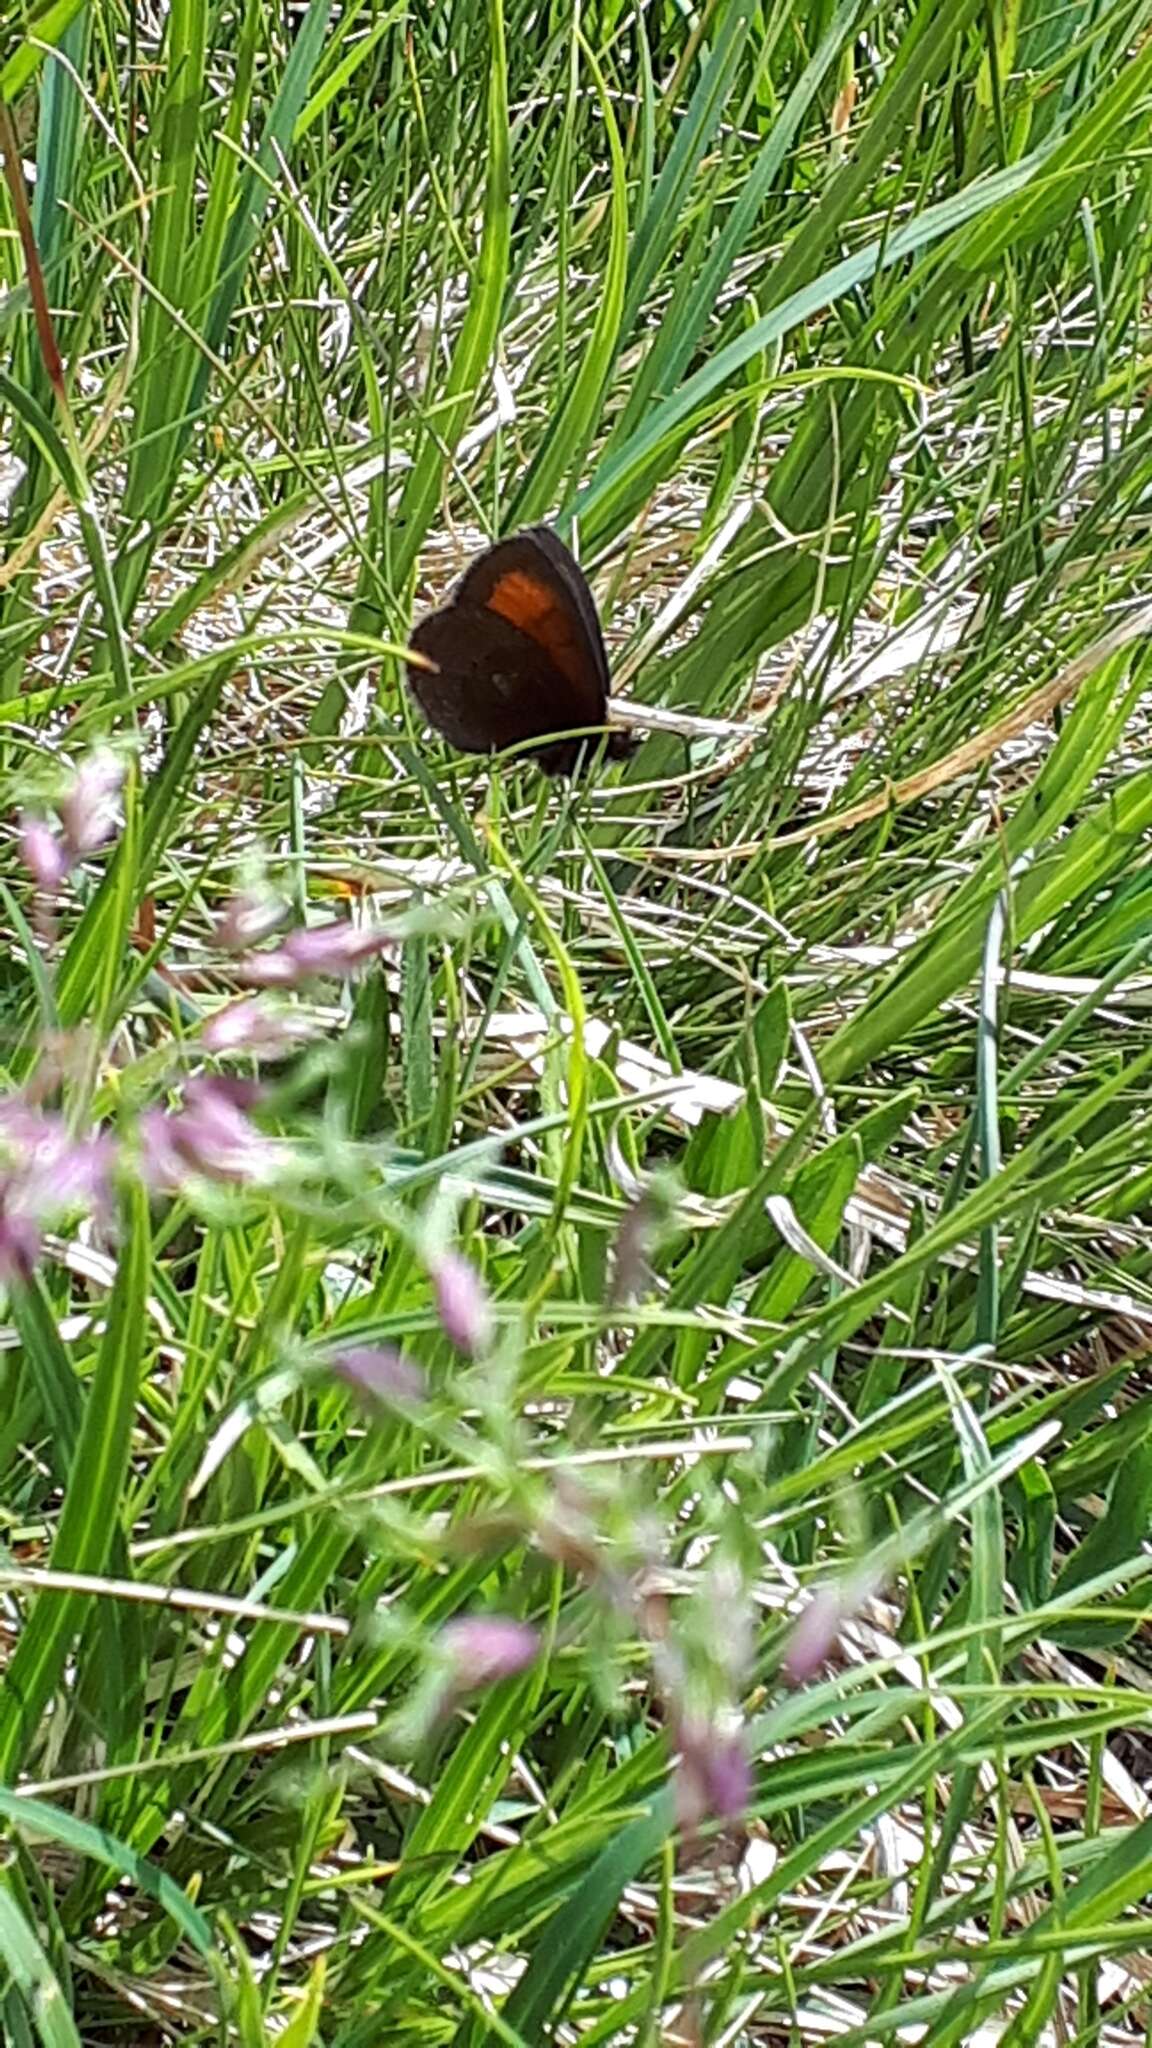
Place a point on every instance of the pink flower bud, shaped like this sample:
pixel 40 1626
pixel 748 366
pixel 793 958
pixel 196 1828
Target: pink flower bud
pixel 90 809
pixel 251 1026
pixel 713 1775
pixel 483 1648
pixel 462 1304
pixel 44 855
pixel 336 948
pixel 820 1623
pixel 381 1374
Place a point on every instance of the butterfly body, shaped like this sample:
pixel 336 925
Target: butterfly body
pixel 518 657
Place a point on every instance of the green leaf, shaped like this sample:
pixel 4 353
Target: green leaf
pixel 47 21
pixel 1111 1544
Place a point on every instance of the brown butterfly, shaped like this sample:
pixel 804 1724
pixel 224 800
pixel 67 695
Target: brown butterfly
pixel 519 656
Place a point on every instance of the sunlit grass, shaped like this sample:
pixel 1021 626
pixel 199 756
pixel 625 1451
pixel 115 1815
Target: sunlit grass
pixel 731 1182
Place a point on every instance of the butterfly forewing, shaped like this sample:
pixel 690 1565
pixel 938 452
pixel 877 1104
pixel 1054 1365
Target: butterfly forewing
pixel 536 583
pixel 493 686
pixel 519 655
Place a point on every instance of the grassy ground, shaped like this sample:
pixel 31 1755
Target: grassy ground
pixel 610 1500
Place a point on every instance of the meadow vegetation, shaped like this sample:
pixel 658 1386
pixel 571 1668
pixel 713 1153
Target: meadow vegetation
pixel 575 1434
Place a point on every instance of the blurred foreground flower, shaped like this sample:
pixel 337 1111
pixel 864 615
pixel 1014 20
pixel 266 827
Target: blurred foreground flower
pixel 250 916
pixel 380 1374
pixel 89 811
pixel 701 1668
pixel 44 854
pixel 821 1623
pixel 713 1779
pixel 462 1304
pixel 336 948
pixel 644 1223
pixel 21 1238
pixel 474 1651
pixel 90 807
pixel 46 1172
pixel 258 1028
pixel 481 1649
pixel 212 1135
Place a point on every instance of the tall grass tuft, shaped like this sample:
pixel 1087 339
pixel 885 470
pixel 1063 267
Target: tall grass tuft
pixel 575 1454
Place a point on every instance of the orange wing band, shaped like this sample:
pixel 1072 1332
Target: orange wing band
pixel 548 619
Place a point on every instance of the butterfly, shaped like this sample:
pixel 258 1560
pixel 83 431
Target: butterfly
pixel 518 656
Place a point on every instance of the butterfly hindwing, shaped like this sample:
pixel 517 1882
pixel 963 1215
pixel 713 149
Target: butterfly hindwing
pixel 492 683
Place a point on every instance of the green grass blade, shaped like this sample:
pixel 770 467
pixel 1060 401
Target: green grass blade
pixel 568 443
pixel 88 1520
pixel 45 1822
pixel 571 1938
pixel 472 352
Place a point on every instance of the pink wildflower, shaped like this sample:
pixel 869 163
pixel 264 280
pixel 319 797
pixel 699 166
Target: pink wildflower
pixel 249 917
pixel 250 1026
pixel 483 1648
pixel 381 1374
pixel 89 809
pixel 462 1304
pixel 336 948
pixel 46 1171
pixel 212 1135
pixel 44 854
